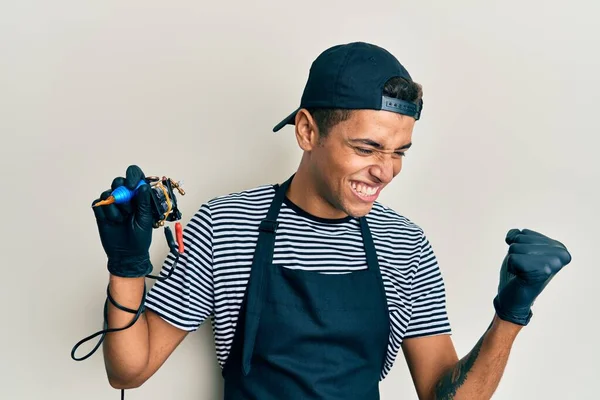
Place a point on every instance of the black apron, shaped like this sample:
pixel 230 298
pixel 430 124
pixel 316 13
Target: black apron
pixel 305 335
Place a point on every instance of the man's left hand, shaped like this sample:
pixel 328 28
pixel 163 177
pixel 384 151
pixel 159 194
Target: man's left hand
pixel 532 261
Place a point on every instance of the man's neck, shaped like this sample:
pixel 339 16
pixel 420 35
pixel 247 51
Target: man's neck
pixel 303 193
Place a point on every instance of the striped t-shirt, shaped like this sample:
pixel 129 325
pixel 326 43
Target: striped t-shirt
pixel 210 277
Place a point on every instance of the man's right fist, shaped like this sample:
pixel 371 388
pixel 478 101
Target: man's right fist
pixel 533 259
pixel 126 229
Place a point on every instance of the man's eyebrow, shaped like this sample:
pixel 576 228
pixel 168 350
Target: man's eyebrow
pixel 373 143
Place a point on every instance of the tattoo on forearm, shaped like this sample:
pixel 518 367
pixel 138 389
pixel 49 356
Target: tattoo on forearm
pixel 454 379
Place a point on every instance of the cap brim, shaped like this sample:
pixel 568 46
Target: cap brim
pixel 289 120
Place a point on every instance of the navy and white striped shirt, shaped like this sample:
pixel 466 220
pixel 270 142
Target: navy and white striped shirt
pixel 211 276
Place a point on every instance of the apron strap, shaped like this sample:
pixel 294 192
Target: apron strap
pixel 263 258
pixel 372 261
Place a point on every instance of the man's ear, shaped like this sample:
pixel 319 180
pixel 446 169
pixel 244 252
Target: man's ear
pixel 307 131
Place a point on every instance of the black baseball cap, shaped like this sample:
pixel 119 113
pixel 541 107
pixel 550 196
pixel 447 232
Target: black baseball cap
pixel 352 76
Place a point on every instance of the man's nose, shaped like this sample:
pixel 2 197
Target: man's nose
pixel 384 168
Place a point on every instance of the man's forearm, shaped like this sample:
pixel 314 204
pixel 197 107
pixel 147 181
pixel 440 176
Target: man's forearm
pixel 476 376
pixel 125 352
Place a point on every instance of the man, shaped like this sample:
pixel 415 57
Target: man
pixel 312 285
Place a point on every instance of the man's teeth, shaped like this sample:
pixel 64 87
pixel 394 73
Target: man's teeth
pixel 364 189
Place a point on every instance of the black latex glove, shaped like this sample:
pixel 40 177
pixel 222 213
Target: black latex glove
pixel 126 229
pixel 532 261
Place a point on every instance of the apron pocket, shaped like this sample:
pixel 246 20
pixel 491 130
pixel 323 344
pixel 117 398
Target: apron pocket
pixel 303 290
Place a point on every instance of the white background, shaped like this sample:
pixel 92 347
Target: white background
pixel 192 89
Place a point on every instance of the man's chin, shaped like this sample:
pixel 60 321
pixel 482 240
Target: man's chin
pixel 358 212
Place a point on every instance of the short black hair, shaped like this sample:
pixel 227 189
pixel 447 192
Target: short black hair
pixel 398 88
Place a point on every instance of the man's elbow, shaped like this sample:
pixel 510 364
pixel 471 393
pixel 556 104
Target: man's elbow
pixel 120 383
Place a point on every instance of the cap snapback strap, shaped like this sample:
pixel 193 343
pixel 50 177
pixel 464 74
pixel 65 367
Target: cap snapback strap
pixel 402 107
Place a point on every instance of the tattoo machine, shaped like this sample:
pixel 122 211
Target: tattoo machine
pixel 164 205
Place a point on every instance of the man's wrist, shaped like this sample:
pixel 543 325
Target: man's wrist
pixel 504 330
pixel 128 292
